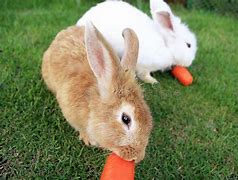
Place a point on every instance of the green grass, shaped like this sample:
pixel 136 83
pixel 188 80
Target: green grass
pixel 195 133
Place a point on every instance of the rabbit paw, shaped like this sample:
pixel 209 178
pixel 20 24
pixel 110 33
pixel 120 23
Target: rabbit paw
pixel 146 77
pixel 84 138
pixel 87 141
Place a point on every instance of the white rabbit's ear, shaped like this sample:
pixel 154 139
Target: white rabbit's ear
pixel 164 19
pixel 158 6
pixel 161 13
pixel 154 4
pixel 102 59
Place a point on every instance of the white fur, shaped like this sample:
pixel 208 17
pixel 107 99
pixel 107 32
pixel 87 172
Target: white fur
pixel 159 49
pixel 182 55
pixel 159 5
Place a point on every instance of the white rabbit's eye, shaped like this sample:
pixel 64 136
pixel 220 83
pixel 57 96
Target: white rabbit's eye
pixel 126 119
pixel 189 45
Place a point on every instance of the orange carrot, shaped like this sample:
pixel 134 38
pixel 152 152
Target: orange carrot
pixel 117 168
pixel 183 75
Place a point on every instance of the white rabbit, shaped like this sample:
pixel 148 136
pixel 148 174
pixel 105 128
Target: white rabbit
pixel 164 41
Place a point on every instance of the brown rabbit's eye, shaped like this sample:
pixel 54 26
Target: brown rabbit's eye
pixel 126 119
pixel 189 45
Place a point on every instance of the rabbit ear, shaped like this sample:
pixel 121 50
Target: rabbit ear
pixel 161 13
pixel 154 4
pixel 129 58
pixel 164 19
pixel 102 59
pixel 159 5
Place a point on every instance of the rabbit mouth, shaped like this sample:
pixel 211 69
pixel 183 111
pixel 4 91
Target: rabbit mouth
pixel 126 152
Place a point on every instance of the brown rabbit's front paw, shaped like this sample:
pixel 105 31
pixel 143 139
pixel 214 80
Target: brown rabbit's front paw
pixel 84 138
pixel 87 141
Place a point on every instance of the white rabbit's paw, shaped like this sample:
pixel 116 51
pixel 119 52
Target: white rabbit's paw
pixel 146 77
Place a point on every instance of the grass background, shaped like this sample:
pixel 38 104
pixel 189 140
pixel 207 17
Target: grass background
pixel 195 133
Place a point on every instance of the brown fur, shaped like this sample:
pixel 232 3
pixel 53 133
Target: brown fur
pixel 67 73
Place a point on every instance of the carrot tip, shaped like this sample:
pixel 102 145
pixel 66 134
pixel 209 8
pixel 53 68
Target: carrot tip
pixel 117 168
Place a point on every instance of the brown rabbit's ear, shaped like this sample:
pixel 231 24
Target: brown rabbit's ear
pixel 164 19
pixel 102 59
pixel 129 58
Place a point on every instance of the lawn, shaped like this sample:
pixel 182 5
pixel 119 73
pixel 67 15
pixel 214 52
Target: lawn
pixel 195 134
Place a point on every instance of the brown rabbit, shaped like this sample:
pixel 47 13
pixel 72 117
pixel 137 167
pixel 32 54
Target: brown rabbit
pixel 97 93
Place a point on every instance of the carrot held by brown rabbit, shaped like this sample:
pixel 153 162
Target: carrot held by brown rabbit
pixel 97 93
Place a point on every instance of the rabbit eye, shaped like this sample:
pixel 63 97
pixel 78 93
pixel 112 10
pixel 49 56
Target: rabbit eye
pixel 189 45
pixel 126 119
